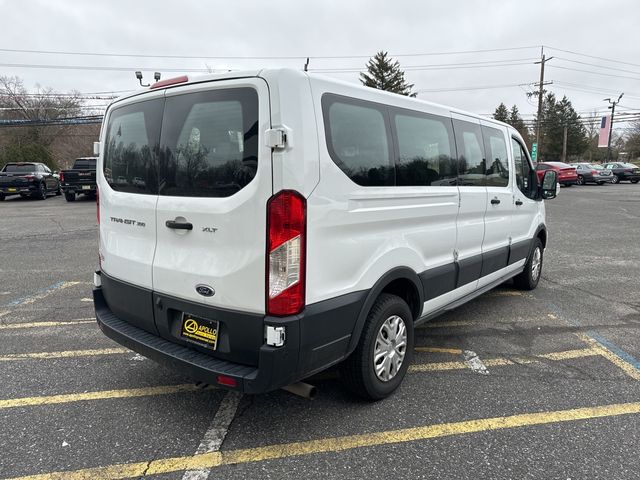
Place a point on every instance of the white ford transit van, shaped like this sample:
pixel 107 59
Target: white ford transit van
pixel 258 227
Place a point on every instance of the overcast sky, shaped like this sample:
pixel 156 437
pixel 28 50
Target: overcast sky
pixel 298 28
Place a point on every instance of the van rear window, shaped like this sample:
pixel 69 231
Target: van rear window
pixel 202 144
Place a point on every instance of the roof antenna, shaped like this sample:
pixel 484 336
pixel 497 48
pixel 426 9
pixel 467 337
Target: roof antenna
pixel 306 65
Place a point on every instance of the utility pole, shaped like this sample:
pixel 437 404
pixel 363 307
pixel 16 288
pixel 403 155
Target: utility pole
pixel 564 145
pixel 613 111
pixel 541 85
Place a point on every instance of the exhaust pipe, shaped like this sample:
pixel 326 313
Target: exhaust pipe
pixel 302 389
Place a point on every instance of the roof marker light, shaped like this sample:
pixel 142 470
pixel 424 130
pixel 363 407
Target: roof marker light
pixel 170 81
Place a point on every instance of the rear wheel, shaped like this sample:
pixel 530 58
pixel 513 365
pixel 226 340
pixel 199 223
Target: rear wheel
pixel 1 197
pixel 70 197
pixel 615 179
pixel 529 278
pixel 635 181
pixel 41 194
pixel 580 180
pixel 381 359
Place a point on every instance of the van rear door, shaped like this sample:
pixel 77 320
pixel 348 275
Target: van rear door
pixel 128 206
pixel 214 183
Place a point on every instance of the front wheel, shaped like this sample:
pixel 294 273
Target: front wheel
pixel 615 179
pixel 635 181
pixel 380 361
pixel 529 278
pixel 580 180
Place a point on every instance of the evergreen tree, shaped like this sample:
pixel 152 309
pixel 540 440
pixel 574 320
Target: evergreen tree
pixel 555 116
pixel 385 74
pixel 516 121
pixel 501 114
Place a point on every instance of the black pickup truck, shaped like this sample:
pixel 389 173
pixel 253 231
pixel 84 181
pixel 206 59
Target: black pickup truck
pixel 28 179
pixel 81 179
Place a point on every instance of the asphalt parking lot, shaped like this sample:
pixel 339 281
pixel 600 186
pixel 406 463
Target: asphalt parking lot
pixel 542 384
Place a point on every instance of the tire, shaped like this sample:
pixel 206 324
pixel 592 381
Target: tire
pixel 615 179
pixel 1 197
pixel 59 191
pixel 388 316
pixel 600 183
pixel 635 181
pixel 529 278
pixel 41 194
pixel 580 180
pixel 70 197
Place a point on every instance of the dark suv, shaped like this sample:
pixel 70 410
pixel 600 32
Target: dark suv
pixel 28 179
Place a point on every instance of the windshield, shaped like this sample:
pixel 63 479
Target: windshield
pixel 85 163
pixel 629 165
pixel 26 168
pixel 202 144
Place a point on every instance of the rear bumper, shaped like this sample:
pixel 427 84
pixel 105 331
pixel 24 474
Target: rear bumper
pixel 78 188
pixel 315 339
pixel 6 191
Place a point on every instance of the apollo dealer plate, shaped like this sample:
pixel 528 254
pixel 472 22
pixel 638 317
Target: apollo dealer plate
pixel 200 330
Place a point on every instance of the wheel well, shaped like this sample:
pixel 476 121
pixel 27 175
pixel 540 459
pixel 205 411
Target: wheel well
pixel 542 235
pixel 405 289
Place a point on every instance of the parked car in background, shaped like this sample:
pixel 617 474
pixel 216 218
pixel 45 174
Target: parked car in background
pixel 591 173
pixel 28 179
pixel 624 172
pixel 80 180
pixel 567 174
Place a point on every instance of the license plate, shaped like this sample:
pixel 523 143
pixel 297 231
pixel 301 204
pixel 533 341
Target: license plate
pixel 86 187
pixel 12 189
pixel 200 330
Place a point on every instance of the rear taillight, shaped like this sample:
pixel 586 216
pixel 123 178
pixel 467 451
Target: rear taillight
pixel 594 172
pixel 61 176
pixel 29 177
pixel 286 243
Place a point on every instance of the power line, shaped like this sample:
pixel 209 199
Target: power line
pixel 598 66
pixel 593 56
pixel 247 57
pixel 449 66
pixel 594 73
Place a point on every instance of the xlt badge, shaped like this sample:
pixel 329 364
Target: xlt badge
pixel 205 290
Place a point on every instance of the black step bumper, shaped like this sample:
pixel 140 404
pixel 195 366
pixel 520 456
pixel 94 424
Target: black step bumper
pixel 315 339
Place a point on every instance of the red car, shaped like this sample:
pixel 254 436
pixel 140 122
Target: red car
pixel 567 174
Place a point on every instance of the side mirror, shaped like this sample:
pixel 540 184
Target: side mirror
pixel 548 189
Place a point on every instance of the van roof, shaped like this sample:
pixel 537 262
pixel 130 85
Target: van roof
pixel 275 72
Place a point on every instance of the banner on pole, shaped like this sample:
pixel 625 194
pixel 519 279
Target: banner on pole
pixel 605 125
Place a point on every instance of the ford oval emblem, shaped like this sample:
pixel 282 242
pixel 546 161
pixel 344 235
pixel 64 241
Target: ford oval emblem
pixel 205 290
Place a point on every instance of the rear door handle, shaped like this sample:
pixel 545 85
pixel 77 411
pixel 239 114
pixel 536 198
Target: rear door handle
pixel 178 225
pixel 495 201
pixel 518 202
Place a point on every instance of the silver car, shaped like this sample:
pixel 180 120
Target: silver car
pixel 592 173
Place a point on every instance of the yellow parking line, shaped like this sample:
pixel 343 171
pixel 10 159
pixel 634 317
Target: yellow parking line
pixel 625 366
pixel 338 444
pixel 99 395
pixel 452 351
pixel 11 326
pixel 453 323
pixel 63 354
pixel 501 362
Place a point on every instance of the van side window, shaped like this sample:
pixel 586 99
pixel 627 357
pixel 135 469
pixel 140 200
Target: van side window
pixel 426 150
pixel 497 157
pixel 358 140
pixel 523 170
pixel 130 145
pixel 471 160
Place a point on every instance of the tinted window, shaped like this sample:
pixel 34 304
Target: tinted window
pixel 88 163
pixel 425 147
pixel 358 140
pixel 525 181
pixel 209 144
pixel 471 163
pixel 131 143
pixel 496 157
pixel 28 168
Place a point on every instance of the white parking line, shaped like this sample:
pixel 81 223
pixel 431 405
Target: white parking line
pixel 41 294
pixel 215 434
pixel 474 363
